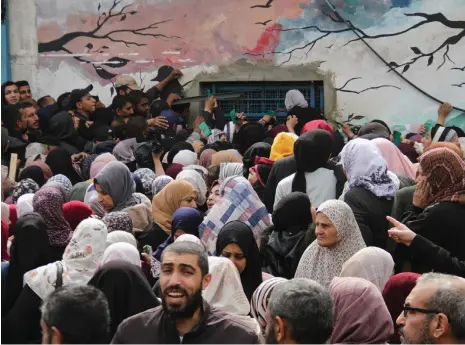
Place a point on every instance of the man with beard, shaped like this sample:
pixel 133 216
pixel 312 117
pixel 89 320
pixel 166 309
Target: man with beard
pixel 300 311
pixel 184 316
pixel 434 312
pixel 26 122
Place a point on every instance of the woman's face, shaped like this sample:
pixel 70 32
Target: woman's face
pixel 252 177
pixel 178 233
pixel 325 232
pixel 234 253
pixel 12 94
pixel 214 196
pixel 190 201
pixel 104 198
pixel 426 141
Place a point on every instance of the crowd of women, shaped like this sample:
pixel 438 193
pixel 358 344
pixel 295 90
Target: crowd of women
pixel 303 199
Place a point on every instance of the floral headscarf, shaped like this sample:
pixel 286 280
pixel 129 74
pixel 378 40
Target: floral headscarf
pixel 25 186
pixel 80 259
pixel 118 221
pixel 159 183
pixel 64 181
pixel 147 177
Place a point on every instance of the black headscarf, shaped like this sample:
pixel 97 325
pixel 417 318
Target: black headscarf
pixel 311 151
pixel 447 134
pixel 33 172
pixel 59 160
pixel 248 135
pixel 126 289
pixel 61 127
pixel 305 115
pixel 260 149
pixel 104 147
pixel 381 131
pixel 240 234
pixel 30 249
pixel 291 220
pixel 179 146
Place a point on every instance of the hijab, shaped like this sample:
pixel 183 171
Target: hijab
pixel 75 212
pixel 26 186
pixel 61 127
pixel 373 264
pixel 121 251
pixel 179 146
pixel 395 292
pixel 225 291
pixel 117 279
pixel 442 177
pixel 64 181
pixel 318 124
pixel 311 151
pixel 260 149
pixel 5 233
pixel 197 181
pixel 147 177
pixel 376 130
pixel 350 242
pixel 240 234
pixel 366 168
pixel 200 169
pixel 395 160
pixel 168 200
pixel 86 165
pixel 48 202
pixel 59 160
pixel 283 146
pixel 29 249
pixel 45 168
pixel 159 183
pixel 35 151
pixel 185 158
pixel 292 213
pixel 79 190
pixel 206 157
pixel 24 204
pixel 186 219
pixel 230 170
pixel 34 173
pixel 118 221
pixel 116 180
pixel 360 315
pixel 228 156
pixel 123 151
pixel 80 259
pixel 173 170
pixel 295 98
pixel 238 202
pixel 261 298
pixel 440 133
pixel 249 134
pixel 121 236
pixel 100 162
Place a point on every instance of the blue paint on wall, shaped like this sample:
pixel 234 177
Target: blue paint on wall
pixel 6 72
pixel 401 3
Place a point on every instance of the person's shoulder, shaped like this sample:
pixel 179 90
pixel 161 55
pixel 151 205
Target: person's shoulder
pixel 233 325
pixel 142 320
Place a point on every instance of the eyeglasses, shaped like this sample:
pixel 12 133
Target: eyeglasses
pixel 406 309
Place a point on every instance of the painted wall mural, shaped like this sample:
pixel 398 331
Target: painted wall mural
pixel 92 41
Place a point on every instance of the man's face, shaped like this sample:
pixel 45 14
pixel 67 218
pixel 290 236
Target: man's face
pixel 25 93
pixel 29 118
pixel 416 327
pixel 87 104
pixel 181 284
pixel 126 111
pixel 143 107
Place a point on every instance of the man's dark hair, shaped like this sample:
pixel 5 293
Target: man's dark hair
pixel 136 127
pixel 119 101
pixel 307 307
pixel 121 88
pixel 24 105
pixel 63 101
pixel 136 96
pixel 79 312
pixel 10 115
pixel 41 101
pixel 22 83
pixel 184 247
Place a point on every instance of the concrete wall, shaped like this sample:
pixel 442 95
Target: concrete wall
pixel 90 41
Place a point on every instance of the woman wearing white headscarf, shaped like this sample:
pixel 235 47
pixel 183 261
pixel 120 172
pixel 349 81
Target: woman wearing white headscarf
pixel 373 264
pixel 294 98
pixel 185 158
pixel 230 170
pixel 123 252
pixel 225 291
pixel 337 239
pixel 197 181
pixel 24 204
pixel 370 189
pixel 80 261
pixel 118 236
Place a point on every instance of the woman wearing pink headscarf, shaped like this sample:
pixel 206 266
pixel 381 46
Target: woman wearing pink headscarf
pixel 396 161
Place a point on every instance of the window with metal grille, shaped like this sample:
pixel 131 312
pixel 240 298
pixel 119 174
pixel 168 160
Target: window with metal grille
pixel 263 97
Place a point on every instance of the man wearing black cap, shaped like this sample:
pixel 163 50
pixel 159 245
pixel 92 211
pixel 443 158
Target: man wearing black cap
pixel 168 83
pixel 83 105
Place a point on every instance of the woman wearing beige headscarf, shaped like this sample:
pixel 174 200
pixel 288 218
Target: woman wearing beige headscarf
pixel 338 237
pixel 373 264
pixel 175 195
pixel 227 156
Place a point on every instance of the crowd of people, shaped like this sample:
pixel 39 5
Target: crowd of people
pixel 141 222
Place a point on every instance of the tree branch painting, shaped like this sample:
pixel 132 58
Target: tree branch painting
pixel 343 89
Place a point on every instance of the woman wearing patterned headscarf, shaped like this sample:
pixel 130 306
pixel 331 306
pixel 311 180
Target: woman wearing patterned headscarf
pixel 147 177
pixel 24 187
pixel 64 181
pixel 159 183
pixel 338 238
pixel 118 221
pixel 438 203
pixel 370 189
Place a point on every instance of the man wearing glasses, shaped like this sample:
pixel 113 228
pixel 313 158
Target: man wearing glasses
pixel 434 312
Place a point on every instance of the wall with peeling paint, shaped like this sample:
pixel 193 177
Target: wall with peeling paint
pixel 90 41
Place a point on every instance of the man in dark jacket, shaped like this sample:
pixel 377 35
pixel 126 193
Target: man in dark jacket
pixel 184 316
